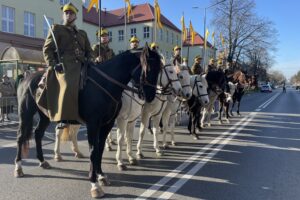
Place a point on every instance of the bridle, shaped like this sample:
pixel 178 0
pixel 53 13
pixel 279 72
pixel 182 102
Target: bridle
pixel 181 70
pixel 199 95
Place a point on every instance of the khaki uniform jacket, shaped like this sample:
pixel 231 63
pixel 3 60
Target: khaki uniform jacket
pixel 196 69
pixel 211 68
pixel 176 61
pixel 60 96
pixel 106 52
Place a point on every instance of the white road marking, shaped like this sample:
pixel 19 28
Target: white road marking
pixel 149 192
pixel 175 187
pixel 182 180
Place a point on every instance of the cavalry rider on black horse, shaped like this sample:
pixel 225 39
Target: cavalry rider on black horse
pixel 59 98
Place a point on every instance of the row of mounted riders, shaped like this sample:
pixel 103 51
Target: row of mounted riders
pixel 164 89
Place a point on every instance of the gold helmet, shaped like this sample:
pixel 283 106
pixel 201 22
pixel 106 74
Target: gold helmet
pixel 176 48
pixel 153 45
pixel 102 32
pixel 198 57
pixel 134 39
pixel 70 7
pixel 211 61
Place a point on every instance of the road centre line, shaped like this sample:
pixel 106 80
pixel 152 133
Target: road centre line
pixel 269 100
pixel 182 180
pixel 154 188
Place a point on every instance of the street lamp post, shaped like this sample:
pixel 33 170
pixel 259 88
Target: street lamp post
pixel 204 29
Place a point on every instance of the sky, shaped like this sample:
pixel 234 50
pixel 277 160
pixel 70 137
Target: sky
pixel 284 13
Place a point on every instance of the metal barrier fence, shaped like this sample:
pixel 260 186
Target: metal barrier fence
pixel 8 109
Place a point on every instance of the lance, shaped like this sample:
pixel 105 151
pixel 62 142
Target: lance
pixel 55 43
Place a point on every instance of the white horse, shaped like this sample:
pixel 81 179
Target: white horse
pixel 199 89
pixel 154 110
pixel 68 133
pixel 131 110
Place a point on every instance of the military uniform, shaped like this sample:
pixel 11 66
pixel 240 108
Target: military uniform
pixel 211 67
pixel 196 69
pixel 176 60
pixel 106 53
pixel 60 96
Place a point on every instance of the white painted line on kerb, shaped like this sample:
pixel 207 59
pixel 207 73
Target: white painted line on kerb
pixel 182 180
pixel 149 192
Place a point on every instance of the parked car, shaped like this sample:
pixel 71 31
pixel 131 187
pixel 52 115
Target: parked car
pixel 265 88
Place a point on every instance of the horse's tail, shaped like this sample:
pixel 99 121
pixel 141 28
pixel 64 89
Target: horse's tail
pixel 65 136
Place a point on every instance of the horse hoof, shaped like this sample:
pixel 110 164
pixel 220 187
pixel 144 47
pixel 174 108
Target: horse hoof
pixel 227 121
pixel 232 115
pixel 45 165
pixel 103 181
pixel 174 144
pixel 140 156
pixel 122 167
pixel 159 154
pixel 18 173
pixel 209 125
pixel 79 155
pixel 58 158
pixel 97 193
pixel 112 142
pixel 165 146
pixel 109 148
pixel 133 162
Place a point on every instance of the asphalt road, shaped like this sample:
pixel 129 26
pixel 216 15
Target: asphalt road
pixel 256 156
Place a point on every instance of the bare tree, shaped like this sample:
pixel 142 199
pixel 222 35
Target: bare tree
pixel 246 35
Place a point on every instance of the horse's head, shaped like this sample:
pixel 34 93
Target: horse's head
pixel 216 81
pixel 199 88
pixel 151 66
pixel 168 79
pixel 184 78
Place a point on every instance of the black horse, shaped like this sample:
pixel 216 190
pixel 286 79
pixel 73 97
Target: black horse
pixel 99 104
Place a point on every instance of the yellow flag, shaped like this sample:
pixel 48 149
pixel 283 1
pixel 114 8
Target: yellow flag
pixel 213 38
pixel 192 33
pixel 184 32
pixel 92 3
pixel 222 39
pixel 206 36
pixel 157 14
pixel 129 9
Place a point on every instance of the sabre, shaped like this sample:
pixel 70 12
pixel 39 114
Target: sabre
pixel 55 43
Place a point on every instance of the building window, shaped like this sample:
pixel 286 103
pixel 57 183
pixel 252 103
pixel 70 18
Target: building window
pixel 167 36
pixel 132 32
pixel 46 28
pixel 146 31
pixel 177 39
pixel 110 36
pixel 8 19
pixel 63 2
pixel 161 35
pixel 172 38
pixel 121 35
pixel 29 24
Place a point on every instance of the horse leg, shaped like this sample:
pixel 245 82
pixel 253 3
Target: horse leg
pixel 156 121
pixel 204 112
pixel 233 103
pixel 93 131
pixel 220 112
pixel 57 155
pixel 190 122
pixel 39 134
pixel 164 122
pixel 102 136
pixel 121 128
pixel 74 129
pixel 227 111
pixel 144 123
pixel 129 135
pixel 172 122
pixel 194 121
pixel 108 144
